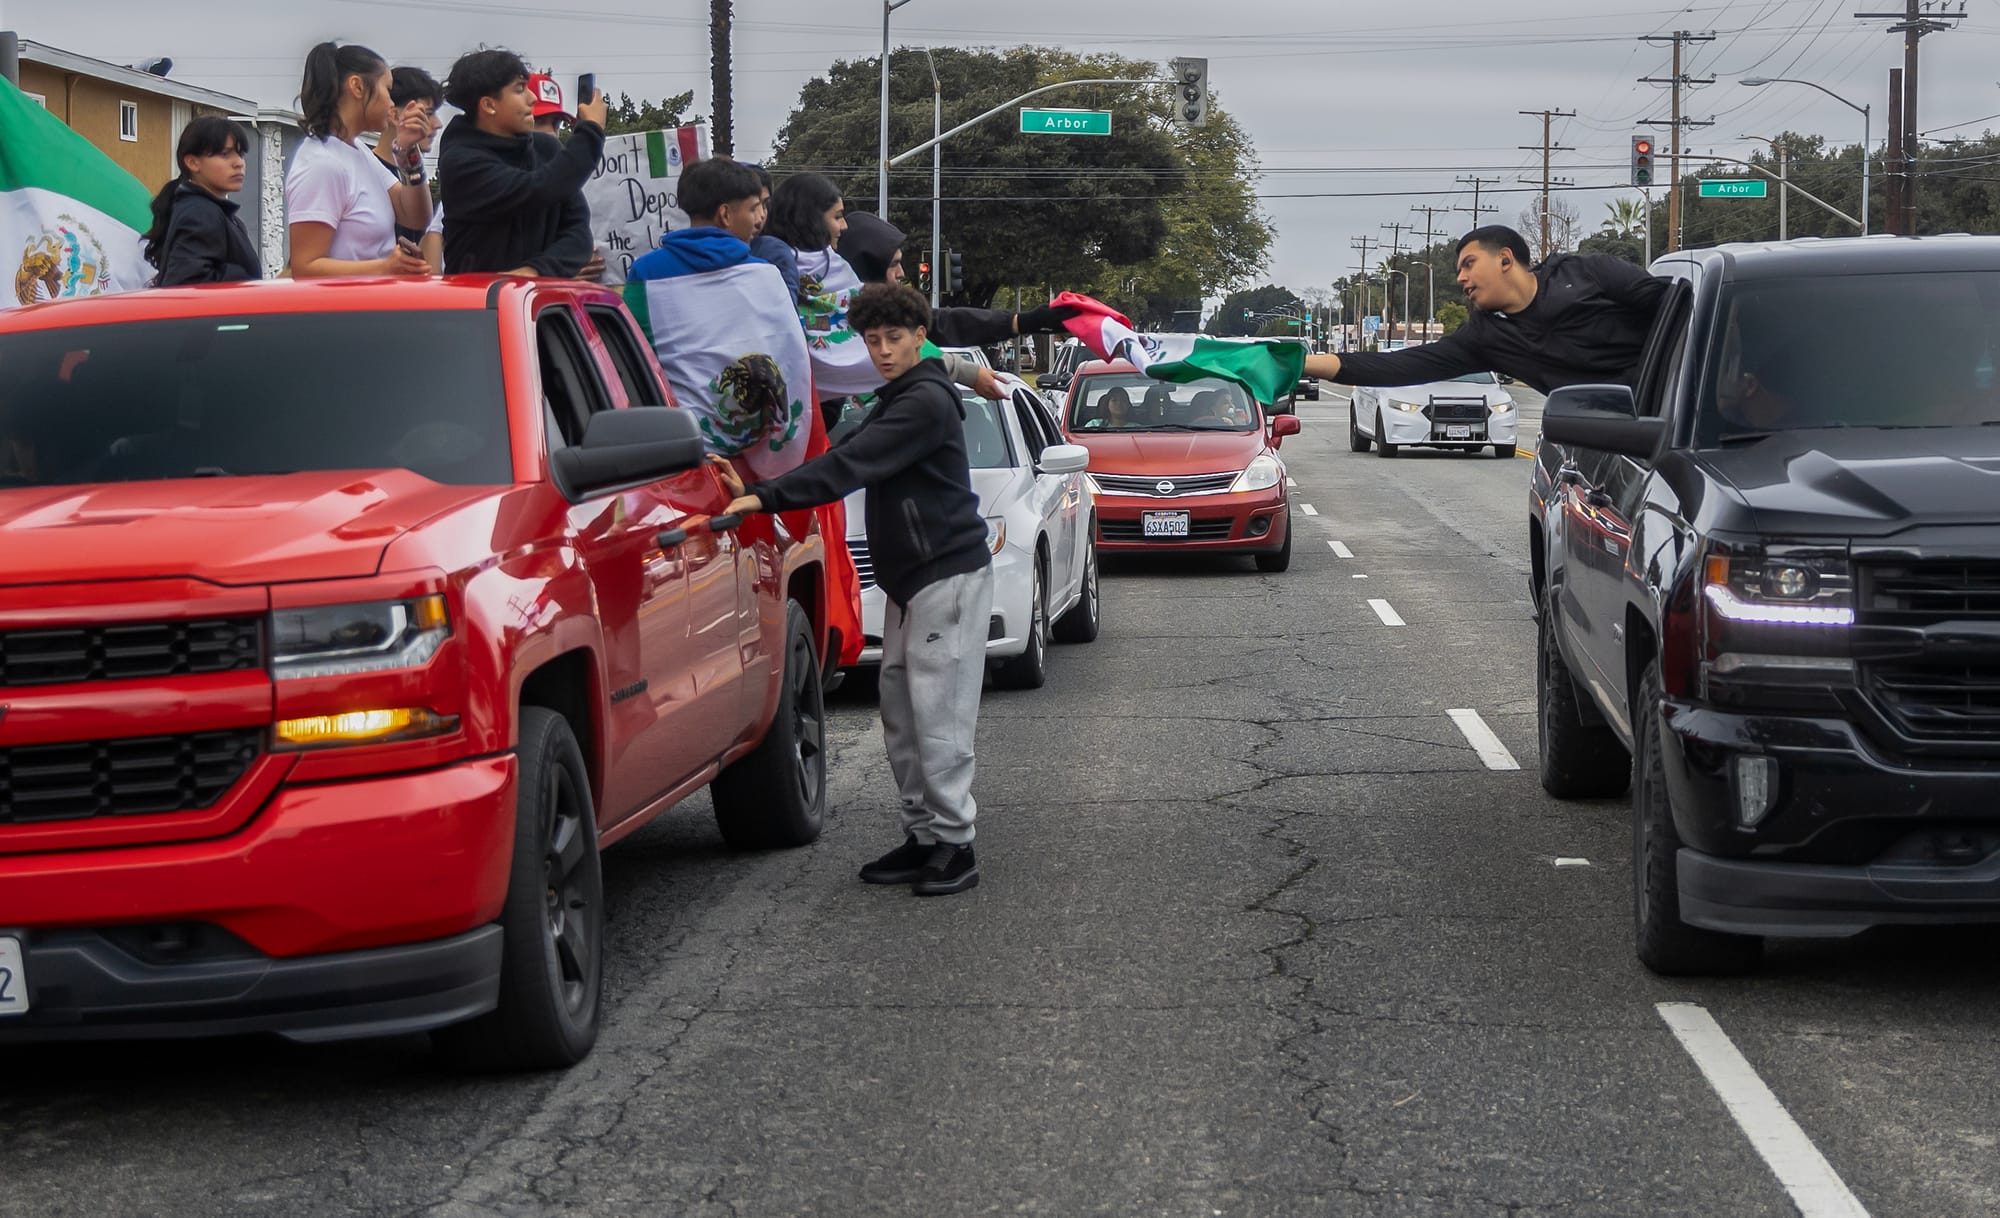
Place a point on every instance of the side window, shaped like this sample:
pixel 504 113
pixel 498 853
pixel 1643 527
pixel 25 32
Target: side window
pixel 1661 360
pixel 1047 422
pixel 571 392
pixel 1031 433
pixel 642 387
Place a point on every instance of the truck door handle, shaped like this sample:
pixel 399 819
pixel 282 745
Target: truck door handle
pixel 724 522
pixel 669 538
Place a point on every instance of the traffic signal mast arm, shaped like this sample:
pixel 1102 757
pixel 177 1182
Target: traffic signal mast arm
pixel 1012 102
pixel 1783 184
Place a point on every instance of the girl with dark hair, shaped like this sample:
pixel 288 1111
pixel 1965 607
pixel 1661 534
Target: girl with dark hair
pixel 807 213
pixel 196 235
pixel 344 216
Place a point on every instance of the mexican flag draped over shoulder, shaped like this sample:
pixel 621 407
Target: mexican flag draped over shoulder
pixel 70 218
pixel 1268 368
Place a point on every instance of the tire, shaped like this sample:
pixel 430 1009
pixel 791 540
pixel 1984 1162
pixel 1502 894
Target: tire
pixel 774 796
pixel 1504 450
pixel 1667 945
pixel 1356 442
pixel 1081 623
pixel 1030 669
pixel 1580 760
pixel 552 924
pixel 1281 559
pixel 1382 447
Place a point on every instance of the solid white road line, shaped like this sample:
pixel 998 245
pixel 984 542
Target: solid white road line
pixel 1790 1154
pixel 1483 741
pixel 1388 615
pixel 1340 549
pixel 1309 509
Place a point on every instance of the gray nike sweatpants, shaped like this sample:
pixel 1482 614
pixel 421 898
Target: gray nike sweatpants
pixel 933 664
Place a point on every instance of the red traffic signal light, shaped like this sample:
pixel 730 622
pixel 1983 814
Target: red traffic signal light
pixel 1642 160
pixel 1642 146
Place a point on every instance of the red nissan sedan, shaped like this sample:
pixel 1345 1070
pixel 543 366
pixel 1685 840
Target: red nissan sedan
pixel 1183 468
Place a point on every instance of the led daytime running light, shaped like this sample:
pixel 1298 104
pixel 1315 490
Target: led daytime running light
pixel 1733 608
pixel 363 727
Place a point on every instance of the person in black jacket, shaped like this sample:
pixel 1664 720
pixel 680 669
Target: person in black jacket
pixel 874 248
pixel 196 236
pixel 512 196
pixel 1577 319
pixel 932 558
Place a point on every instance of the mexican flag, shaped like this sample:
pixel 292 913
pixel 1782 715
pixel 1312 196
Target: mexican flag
pixel 841 366
pixel 70 218
pixel 1268 368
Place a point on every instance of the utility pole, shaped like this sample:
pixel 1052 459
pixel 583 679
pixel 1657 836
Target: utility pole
pixel 1396 251
pixel 1476 182
pixel 1678 80
pixel 1362 244
pixel 722 129
pixel 1430 235
pixel 1547 116
pixel 1892 159
pixel 1912 23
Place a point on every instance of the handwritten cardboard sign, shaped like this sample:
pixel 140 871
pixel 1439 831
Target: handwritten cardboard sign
pixel 633 196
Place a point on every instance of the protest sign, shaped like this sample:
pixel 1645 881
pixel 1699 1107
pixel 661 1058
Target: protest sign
pixel 633 196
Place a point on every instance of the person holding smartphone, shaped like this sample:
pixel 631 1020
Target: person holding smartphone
pixel 342 213
pixel 513 196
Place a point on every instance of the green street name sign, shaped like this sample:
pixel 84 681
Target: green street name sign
pixel 1066 122
pixel 1734 188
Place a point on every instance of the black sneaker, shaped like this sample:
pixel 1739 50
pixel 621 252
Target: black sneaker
pixel 900 866
pixel 949 869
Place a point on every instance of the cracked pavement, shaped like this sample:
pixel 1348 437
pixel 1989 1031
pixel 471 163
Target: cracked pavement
pixel 1258 934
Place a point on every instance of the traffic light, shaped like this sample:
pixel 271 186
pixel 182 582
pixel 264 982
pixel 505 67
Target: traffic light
pixel 923 275
pixel 954 280
pixel 1191 92
pixel 1642 160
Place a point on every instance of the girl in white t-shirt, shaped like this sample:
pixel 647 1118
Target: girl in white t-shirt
pixel 342 212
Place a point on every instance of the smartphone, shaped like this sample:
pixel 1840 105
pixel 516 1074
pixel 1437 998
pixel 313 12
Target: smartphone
pixel 409 247
pixel 586 85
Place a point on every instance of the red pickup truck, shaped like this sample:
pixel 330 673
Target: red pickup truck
pixel 341 625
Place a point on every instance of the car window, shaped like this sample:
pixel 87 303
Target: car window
pixel 642 386
pixel 1918 349
pixel 255 394
pixel 1045 420
pixel 570 388
pixel 1031 432
pixel 1129 401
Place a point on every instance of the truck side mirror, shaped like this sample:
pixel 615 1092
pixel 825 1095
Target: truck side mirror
pixel 1604 418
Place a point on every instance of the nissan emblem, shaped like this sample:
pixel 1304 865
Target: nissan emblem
pixel 1164 486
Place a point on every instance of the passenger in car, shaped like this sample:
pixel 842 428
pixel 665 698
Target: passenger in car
pixel 1114 409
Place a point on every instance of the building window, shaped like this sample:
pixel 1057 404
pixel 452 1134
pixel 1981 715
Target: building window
pixel 128 120
pixel 39 99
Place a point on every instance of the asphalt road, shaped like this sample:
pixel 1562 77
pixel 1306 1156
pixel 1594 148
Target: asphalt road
pixel 1261 933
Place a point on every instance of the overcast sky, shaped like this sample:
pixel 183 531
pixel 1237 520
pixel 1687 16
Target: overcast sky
pixel 1356 115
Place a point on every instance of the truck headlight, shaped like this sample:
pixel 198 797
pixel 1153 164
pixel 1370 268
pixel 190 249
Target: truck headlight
pixel 344 640
pixel 1261 474
pixel 1405 407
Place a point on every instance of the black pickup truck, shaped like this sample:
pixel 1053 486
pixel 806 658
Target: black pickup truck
pixel 1768 586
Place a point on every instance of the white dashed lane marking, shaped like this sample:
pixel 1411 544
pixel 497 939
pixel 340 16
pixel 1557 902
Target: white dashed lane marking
pixel 1309 509
pixel 1340 549
pixel 1386 612
pixel 1805 1174
pixel 1483 741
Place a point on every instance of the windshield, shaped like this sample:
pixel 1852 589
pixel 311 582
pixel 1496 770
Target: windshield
pixel 986 442
pixel 1909 350
pixel 1476 378
pixel 258 394
pixel 1129 401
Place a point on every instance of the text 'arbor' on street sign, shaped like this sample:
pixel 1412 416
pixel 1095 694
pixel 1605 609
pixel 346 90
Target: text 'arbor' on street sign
pixel 1066 122
pixel 1734 188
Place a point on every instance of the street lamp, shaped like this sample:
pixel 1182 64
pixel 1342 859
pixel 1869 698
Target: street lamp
pixel 1763 81
pixel 882 165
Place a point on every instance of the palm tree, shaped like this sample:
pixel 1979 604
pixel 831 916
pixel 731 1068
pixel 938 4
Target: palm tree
pixel 1628 216
pixel 723 132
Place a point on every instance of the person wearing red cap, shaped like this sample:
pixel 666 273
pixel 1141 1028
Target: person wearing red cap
pixel 550 117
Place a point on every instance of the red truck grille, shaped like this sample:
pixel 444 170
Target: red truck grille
pixel 135 776
pixel 68 655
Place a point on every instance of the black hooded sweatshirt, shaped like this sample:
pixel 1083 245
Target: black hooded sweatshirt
pixel 870 244
pixel 205 241
pixel 923 517
pixel 516 200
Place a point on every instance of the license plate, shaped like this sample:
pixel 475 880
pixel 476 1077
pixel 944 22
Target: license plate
pixel 1164 524
pixel 13 979
pixel 1458 433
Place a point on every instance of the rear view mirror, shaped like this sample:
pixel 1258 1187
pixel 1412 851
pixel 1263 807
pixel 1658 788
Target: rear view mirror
pixel 1284 425
pixel 1603 418
pixel 1064 459
pixel 623 449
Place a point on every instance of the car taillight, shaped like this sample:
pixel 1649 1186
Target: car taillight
pixel 1775 614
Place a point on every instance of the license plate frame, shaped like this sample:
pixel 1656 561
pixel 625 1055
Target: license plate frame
pixel 1165 526
pixel 1458 431
pixel 13 978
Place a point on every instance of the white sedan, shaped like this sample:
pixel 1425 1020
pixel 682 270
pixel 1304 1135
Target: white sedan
pixel 1039 522
pixel 1466 412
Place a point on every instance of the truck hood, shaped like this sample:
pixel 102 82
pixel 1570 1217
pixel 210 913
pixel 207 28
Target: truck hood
pixel 1865 481
pixel 253 530
pixel 1169 452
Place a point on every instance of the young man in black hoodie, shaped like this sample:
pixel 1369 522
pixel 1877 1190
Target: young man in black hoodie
pixel 513 196
pixel 931 557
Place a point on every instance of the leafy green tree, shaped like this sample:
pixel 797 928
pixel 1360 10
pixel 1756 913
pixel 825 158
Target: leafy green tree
pixel 1631 249
pixel 1152 217
pixel 628 116
pixel 1627 218
pixel 1230 320
pixel 1451 316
